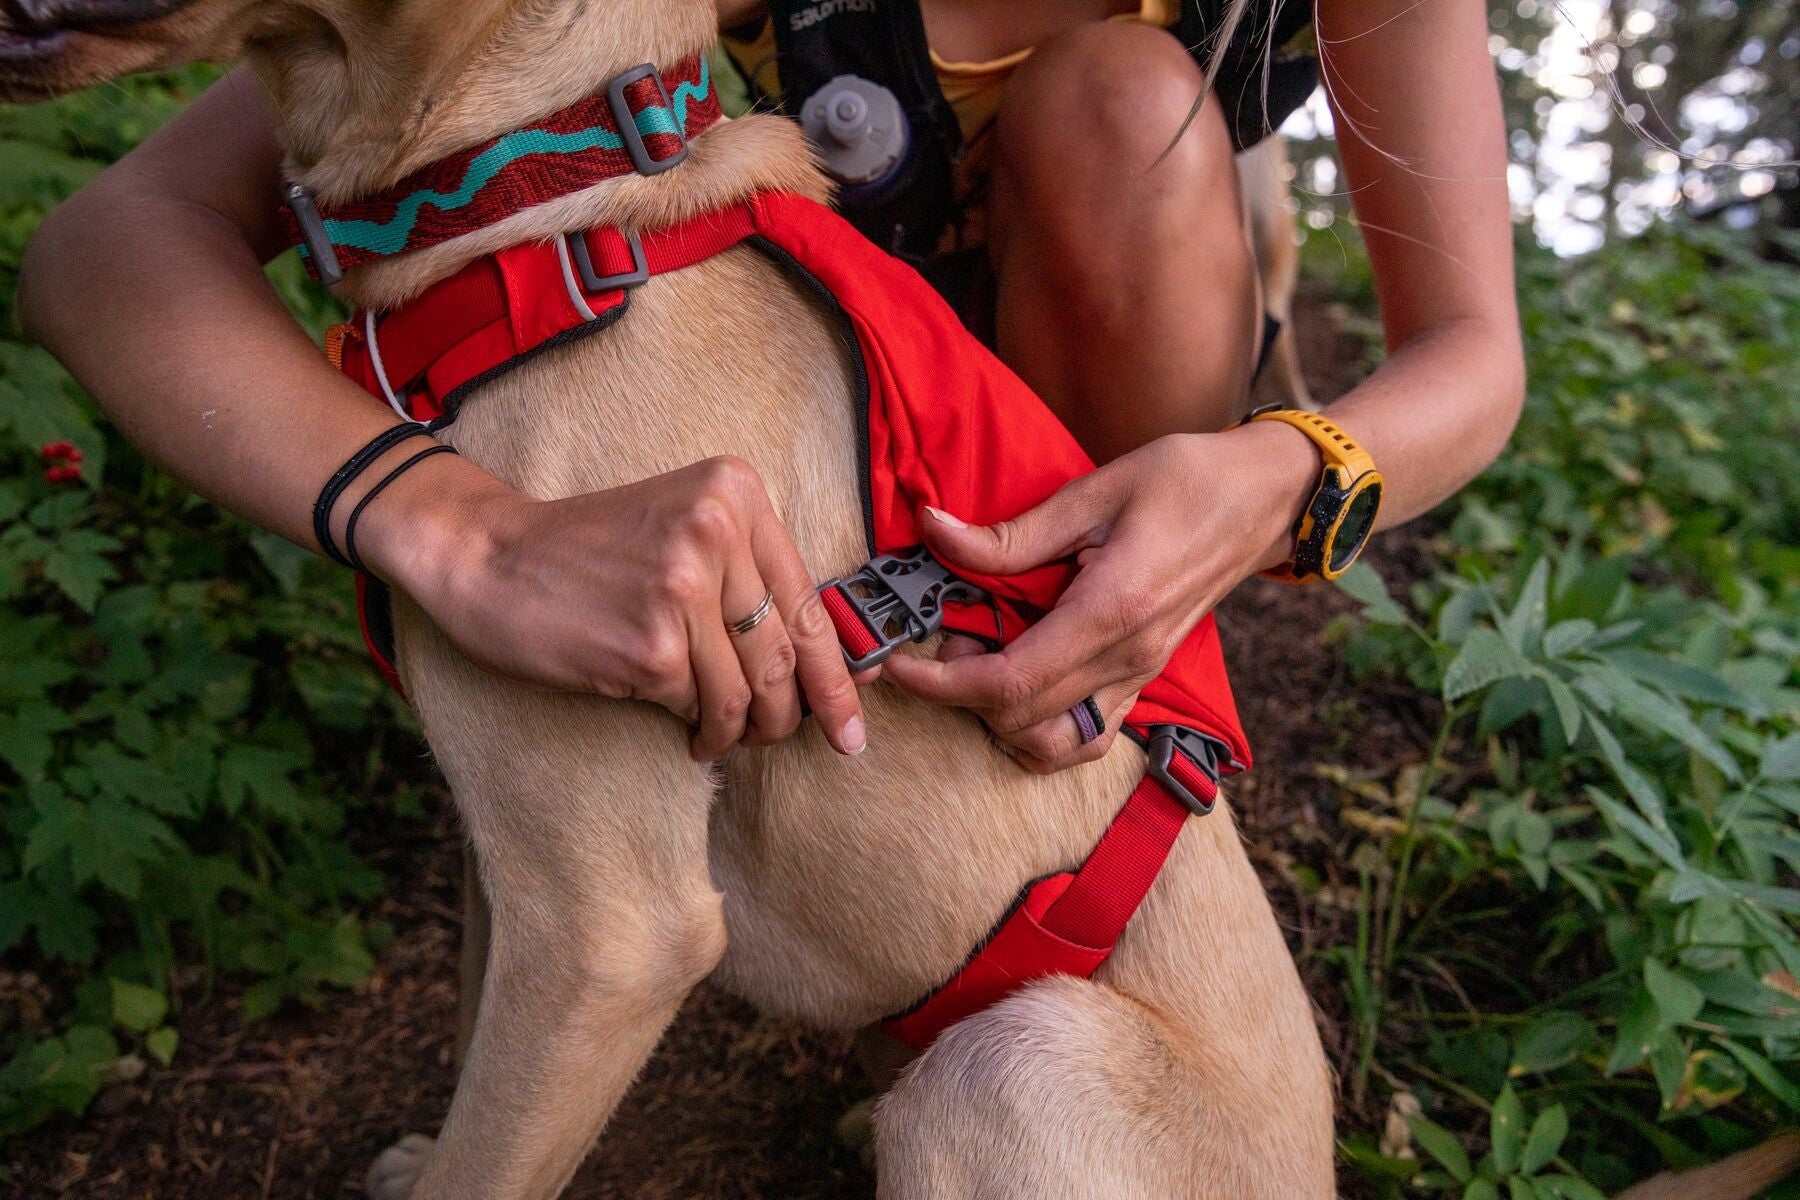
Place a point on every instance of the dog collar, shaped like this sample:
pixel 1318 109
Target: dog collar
pixel 638 125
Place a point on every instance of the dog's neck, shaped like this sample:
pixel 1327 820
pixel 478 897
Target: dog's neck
pixel 370 93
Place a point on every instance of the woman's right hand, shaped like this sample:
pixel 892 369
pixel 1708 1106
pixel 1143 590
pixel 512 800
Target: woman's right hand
pixel 626 593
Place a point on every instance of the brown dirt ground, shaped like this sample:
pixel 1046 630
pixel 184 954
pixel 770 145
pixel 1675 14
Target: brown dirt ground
pixel 733 1105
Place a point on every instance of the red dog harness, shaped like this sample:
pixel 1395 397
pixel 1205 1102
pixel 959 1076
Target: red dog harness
pixel 943 423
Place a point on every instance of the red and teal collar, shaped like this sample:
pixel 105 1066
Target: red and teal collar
pixel 639 125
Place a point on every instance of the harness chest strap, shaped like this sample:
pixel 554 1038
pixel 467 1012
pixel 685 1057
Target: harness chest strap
pixel 503 308
pixel 1069 923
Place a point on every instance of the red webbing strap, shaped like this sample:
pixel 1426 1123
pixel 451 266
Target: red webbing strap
pixel 1067 924
pixel 502 306
pixel 1116 877
pixel 853 634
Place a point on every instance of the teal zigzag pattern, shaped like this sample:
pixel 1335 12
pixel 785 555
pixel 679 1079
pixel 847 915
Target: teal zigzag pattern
pixel 391 236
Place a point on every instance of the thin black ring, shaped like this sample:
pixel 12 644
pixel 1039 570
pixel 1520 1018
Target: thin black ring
pixel 345 475
pixel 356 562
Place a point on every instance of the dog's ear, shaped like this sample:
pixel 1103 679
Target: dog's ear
pixel 49 47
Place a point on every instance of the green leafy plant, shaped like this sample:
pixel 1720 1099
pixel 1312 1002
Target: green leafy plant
pixel 1578 919
pixel 186 719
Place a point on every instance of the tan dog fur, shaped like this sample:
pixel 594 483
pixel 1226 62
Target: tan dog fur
pixel 620 873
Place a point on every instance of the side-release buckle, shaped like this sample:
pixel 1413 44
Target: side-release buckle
pixel 900 598
pixel 1198 761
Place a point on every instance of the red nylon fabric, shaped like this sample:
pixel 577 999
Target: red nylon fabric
pixel 948 425
pixel 951 426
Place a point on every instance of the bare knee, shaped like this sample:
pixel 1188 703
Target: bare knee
pixel 1099 108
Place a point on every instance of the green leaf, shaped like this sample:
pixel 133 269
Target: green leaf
pixel 1481 1189
pixel 1552 1041
pixel 136 1007
pixel 1547 1135
pixel 1637 1033
pixel 1523 627
pixel 1442 1145
pixel 1781 759
pixel 1506 1128
pixel 1654 712
pixel 261 772
pixel 161 1044
pixel 1568 708
pixel 1677 1000
pixel 1485 659
pixel 80 576
pixel 1364 584
pixel 1567 1187
pixel 1766 1073
pixel 1565 637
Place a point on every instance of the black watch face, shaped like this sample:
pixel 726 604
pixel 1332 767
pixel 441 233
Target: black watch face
pixel 1354 529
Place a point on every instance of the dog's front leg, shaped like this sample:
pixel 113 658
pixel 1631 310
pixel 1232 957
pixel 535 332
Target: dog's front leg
pixel 589 822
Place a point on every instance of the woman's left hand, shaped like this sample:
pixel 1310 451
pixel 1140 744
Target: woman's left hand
pixel 1160 536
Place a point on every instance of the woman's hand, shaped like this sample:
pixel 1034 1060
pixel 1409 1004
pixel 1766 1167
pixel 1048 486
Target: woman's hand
pixel 626 593
pixel 1160 536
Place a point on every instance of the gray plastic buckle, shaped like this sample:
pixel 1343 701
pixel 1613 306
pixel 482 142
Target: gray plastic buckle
pixel 627 120
pixel 584 264
pixel 1204 752
pixel 901 598
pixel 319 249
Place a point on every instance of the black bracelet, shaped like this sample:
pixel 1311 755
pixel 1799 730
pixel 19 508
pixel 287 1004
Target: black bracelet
pixel 357 512
pixel 345 475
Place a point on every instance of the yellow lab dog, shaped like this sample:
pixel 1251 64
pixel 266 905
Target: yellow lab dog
pixel 620 873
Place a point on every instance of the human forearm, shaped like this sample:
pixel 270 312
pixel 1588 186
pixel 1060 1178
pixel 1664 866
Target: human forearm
pixel 1436 413
pixel 222 387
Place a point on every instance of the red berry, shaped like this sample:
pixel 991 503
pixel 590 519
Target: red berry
pixel 62 474
pixel 59 450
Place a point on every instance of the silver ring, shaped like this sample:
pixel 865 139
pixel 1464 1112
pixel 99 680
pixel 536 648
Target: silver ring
pixel 740 628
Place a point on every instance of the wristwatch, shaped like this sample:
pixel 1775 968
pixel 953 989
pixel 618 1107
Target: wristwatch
pixel 1337 521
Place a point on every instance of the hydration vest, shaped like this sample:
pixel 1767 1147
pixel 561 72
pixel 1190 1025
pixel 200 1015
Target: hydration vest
pixel 883 41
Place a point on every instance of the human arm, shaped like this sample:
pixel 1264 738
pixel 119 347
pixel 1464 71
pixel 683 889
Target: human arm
pixel 189 351
pixel 1422 140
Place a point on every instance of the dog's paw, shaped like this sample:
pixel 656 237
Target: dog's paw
pixel 398 1168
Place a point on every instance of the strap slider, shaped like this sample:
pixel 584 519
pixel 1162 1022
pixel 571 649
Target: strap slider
pixel 659 113
pixel 595 283
pixel 900 598
pixel 1193 777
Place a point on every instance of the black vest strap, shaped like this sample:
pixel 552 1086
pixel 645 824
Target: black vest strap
pixel 882 41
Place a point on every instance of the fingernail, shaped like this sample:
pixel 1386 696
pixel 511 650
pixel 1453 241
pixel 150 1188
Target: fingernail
pixel 946 518
pixel 855 737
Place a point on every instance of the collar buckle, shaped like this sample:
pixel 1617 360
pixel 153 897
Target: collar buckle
pixel 660 115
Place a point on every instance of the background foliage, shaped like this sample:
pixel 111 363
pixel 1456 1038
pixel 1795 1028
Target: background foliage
pixel 1575 956
pixel 1577 950
pixel 187 724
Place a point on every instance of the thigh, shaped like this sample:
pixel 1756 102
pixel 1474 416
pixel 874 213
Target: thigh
pixel 1070 1089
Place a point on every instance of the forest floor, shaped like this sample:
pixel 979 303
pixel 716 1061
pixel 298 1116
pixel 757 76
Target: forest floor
pixel 733 1106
